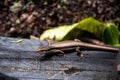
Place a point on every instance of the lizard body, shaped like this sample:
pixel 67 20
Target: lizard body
pixel 71 43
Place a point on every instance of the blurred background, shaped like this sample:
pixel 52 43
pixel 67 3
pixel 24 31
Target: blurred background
pixel 23 18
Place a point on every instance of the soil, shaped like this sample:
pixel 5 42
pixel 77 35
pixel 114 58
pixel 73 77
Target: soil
pixel 32 17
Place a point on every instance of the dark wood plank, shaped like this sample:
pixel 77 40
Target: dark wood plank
pixel 19 60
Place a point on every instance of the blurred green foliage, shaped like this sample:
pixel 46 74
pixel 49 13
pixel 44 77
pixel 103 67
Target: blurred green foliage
pixel 108 33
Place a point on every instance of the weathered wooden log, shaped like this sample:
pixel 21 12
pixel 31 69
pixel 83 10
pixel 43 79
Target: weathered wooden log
pixel 20 60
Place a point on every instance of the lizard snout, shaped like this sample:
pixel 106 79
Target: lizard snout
pixel 42 49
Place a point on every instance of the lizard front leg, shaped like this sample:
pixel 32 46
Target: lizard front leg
pixel 49 42
pixel 57 51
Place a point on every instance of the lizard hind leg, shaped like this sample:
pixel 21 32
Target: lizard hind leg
pixel 81 55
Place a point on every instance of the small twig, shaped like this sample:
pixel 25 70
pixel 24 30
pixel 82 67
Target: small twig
pixel 17 41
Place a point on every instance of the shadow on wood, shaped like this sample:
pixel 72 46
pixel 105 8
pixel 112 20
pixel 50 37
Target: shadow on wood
pixel 5 77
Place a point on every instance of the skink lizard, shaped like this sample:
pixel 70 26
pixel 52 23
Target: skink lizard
pixel 74 45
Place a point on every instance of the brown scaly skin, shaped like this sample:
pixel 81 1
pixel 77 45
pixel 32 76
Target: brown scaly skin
pixel 74 45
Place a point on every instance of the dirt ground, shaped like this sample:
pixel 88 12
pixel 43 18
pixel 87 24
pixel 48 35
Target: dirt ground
pixel 32 17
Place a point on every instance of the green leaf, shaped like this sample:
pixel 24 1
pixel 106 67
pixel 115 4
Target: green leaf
pixel 117 45
pixel 111 34
pixel 75 30
pixel 91 25
pixel 57 33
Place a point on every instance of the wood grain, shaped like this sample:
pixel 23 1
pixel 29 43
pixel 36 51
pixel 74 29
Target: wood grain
pixel 20 60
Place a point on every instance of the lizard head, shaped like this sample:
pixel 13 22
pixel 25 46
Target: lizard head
pixel 42 49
